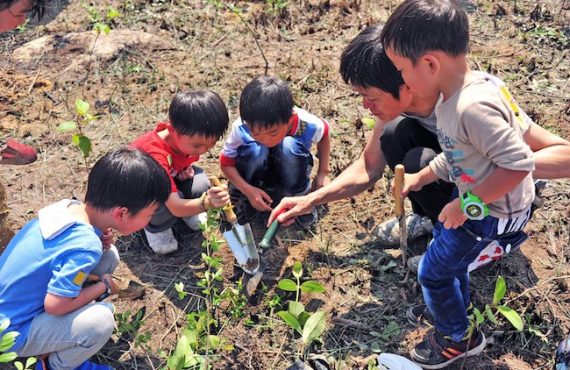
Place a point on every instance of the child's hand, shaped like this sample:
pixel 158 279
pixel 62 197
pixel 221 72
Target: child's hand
pixel 114 287
pixel 217 196
pixel 451 215
pixel 411 183
pixel 320 181
pixel 186 174
pixel 259 199
pixel 108 238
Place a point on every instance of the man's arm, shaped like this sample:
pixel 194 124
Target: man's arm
pixel 551 153
pixel 324 152
pixel 365 171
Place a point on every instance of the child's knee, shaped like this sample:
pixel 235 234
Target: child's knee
pixel 99 323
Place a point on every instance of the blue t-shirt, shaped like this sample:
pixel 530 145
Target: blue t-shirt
pixel 34 264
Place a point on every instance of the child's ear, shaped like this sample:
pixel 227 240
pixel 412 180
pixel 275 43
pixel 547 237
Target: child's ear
pixel 432 63
pixel 120 214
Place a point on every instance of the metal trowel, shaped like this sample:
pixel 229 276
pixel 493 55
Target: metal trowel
pixel 240 239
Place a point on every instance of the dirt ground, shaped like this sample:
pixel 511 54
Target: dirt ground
pixel 158 47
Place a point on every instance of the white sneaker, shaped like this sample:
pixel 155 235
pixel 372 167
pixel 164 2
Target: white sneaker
pixel 195 222
pixel 388 233
pixel 162 242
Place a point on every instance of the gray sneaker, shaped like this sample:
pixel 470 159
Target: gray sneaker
pixel 414 263
pixel 388 233
pixel 162 242
pixel 195 222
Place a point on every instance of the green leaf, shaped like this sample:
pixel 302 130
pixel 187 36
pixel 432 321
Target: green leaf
pixel 295 308
pixel 478 316
pixel 4 324
pixel 19 365
pixel 490 315
pixel 215 341
pixel 303 317
pixel 66 126
pixel 112 13
pixel 8 340
pixel 368 121
pixel 513 317
pixel 82 107
pixel 290 320
pixel 375 347
pixel 312 287
pixel 30 361
pixel 83 143
pixel 392 329
pixel 298 270
pixel 8 357
pixel 287 285
pixel 500 290
pixel 179 287
pixel 314 327
pixel 389 266
pixel 101 27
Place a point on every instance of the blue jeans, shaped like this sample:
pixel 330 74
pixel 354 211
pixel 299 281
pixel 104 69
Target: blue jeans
pixel 443 274
pixel 287 165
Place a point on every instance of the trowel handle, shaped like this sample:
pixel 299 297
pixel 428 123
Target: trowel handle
pixel 229 211
pixel 269 234
pixel 399 172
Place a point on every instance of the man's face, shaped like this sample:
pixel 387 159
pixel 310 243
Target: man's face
pixel 382 104
pixel 14 15
pixel 419 77
pixel 193 145
pixel 270 136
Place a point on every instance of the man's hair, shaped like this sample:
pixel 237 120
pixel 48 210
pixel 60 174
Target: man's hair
pixel 364 63
pixel 419 26
pixel 126 177
pixel 38 7
pixel 199 112
pixel 265 102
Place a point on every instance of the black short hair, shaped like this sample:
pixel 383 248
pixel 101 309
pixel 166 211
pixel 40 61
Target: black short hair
pixel 419 26
pixel 364 63
pixel 38 7
pixel 127 177
pixel 199 112
pixel 265 102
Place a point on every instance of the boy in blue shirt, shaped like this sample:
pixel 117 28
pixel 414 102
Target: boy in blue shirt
pixel 270 146
pixel 45 266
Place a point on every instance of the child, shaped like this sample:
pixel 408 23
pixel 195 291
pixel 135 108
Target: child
pixel 480 132
pixel 198 119
pixel 14 12
pixel 43 269
pixel 270 146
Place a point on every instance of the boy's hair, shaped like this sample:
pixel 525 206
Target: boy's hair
pixel 265 102
pixel 38 7
pixel 364 63
pixel 419 26
pixel 199 112
pixel 127 177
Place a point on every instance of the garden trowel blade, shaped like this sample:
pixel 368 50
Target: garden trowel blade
pixel 241 242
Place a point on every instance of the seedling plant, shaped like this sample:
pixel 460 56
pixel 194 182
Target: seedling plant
pixel 7 340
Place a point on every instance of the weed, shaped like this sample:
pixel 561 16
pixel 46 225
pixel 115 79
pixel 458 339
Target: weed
pixel 491 310
pixel 82 118
pixel 130 325
pixel 7 340
pixel 101 23
pixel 236 299
pixel 309 326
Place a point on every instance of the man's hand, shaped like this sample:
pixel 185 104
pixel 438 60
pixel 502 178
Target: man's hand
pixel 289 208
pixel 217 196
pixel 319 181
pixel 259 199
pixel 452 215
pixel 186 174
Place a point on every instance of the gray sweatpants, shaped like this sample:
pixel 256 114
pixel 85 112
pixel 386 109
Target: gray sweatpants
pixel 189 189
pixel 73 338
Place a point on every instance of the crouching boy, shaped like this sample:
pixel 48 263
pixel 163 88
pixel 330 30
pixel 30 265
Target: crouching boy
pixel 45 266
